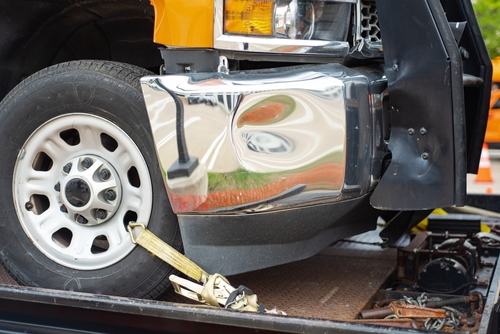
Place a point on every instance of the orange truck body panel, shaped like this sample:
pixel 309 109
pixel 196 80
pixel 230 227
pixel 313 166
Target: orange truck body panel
pixel 496 70
pixel 186 24
pixel 493 126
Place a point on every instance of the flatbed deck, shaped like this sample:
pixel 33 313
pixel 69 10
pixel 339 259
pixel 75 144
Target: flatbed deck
pixel 313 288
pixel 322 294
pixel 35 310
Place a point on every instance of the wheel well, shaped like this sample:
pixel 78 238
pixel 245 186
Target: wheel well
pixel 39 34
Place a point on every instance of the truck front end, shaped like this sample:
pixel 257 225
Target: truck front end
pixel 314 114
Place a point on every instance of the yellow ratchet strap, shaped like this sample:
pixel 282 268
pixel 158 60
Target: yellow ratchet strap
pixel 143 237
pixel 215 291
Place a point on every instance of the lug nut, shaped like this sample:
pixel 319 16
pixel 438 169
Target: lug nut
pixel 101 214
pixel 110 195
pixel 81 220
pixel 67 167
pixel 57 187
pixel 63 208
pixel 104 174
pixel 87 162
pixel 28 206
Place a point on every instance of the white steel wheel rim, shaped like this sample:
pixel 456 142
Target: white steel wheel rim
pixel 52 219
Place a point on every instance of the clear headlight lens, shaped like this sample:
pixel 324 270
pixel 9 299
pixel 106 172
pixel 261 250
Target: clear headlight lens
pixel 293 19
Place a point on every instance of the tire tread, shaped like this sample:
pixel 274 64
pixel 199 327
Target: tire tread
pixel 128 75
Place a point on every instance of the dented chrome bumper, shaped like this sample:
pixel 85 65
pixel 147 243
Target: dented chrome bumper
pixel 269 139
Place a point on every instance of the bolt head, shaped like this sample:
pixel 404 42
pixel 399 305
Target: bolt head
pixel 81 220
pixel 67 167
pixel 110 195
pixel 101 214
pixel 104 174
pixel 63 208
pixel 87 162
pixel 57 187
pixel 411 131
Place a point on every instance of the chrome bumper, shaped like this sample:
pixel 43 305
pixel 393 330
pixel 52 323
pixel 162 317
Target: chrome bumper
pixel 271 139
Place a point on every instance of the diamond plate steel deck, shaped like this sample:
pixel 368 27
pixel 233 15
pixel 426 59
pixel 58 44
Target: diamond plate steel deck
pixel 334 284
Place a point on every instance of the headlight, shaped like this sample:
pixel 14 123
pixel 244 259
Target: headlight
pixel 249 17
pixel 293 19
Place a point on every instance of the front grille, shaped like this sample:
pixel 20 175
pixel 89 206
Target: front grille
pixel 370 29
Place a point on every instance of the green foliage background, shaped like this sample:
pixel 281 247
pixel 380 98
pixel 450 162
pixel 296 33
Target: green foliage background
pixel 488 16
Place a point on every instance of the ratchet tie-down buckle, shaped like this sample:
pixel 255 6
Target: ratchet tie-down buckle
pixel 215 289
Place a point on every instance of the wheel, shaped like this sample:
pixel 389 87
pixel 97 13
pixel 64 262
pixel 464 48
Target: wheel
pixel 77 164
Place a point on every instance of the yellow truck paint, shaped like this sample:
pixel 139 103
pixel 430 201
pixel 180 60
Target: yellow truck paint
pixel 180 23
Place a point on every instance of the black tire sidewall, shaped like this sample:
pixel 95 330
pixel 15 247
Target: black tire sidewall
pixel 80 88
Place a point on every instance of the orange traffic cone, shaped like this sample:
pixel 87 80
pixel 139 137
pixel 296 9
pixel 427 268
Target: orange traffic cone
pixel 484 171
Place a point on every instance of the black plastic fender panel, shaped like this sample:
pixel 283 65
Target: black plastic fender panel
pixel 424 70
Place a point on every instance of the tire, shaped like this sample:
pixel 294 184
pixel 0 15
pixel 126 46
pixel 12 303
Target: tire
pixel 77 164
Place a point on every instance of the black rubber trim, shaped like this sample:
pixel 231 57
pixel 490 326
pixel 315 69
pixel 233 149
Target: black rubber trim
pixel 235 243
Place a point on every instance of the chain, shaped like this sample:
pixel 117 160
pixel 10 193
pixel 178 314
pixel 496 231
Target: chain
pixel 421 300
pixel 433 324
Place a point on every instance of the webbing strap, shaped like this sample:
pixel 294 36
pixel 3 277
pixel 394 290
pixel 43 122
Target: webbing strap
pixel 141 236
pixel 215 290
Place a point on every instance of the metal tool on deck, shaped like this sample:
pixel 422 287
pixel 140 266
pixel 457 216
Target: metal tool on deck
pixel 403 310
pixel 431 314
